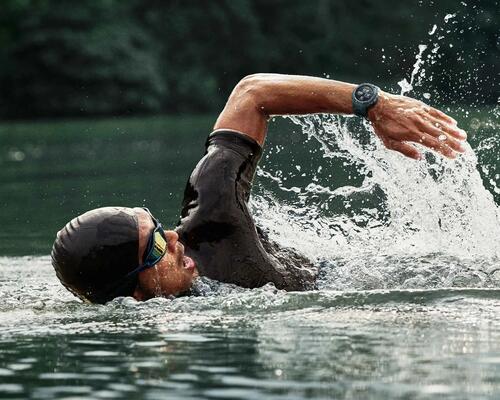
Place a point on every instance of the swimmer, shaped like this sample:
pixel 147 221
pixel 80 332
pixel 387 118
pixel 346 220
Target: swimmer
pixel 116 251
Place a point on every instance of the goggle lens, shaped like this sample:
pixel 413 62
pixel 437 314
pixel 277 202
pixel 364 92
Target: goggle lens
pixel 157 244
pixel 157 247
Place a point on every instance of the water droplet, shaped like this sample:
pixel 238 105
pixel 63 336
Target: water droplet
pixel 449 16
pixel 442 138
pixel 405 86
pixel 16 155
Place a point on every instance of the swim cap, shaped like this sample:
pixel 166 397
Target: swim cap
pixel 94 252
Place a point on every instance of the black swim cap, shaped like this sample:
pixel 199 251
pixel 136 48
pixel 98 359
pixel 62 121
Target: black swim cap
pixel 94 252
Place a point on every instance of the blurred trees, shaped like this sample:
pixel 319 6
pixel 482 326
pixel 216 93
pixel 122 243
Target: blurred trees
pixel 72 58
pixel 101 57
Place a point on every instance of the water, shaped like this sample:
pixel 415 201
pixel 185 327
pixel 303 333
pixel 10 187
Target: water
pixel 409 255
pixel 408 299
pixel 251 344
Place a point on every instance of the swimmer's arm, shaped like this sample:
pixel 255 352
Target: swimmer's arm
pixel 397 120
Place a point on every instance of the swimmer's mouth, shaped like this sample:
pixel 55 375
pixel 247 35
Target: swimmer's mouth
pixel 189 263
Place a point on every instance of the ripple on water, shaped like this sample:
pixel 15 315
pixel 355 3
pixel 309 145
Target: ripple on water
pixel 149 344
pixel 11 388
pixel 62 376
pixel 57 391
pixel 6 372
pixel 100 353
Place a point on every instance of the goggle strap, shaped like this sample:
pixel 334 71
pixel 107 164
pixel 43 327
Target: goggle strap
pixel 157 246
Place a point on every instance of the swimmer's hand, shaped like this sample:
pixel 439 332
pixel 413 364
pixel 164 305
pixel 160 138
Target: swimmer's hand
pixel 399 120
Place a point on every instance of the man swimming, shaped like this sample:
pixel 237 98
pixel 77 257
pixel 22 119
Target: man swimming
pixel 117 251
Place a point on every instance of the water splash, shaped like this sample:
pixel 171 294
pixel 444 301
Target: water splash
pixel 406 86
pixel 448 17
pixel 396 223
pixel 408 224
pixel 402 223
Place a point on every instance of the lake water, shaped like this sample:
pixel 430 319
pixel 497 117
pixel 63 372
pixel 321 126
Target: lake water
pixel 409 289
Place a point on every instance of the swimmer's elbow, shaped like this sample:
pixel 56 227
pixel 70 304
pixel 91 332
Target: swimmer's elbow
pixel 251 91
pixel 244 111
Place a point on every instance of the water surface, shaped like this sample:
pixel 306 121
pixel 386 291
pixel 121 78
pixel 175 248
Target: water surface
pixel 251 344
pixel 409 294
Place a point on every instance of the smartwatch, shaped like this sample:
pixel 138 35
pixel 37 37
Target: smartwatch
pixel 364 97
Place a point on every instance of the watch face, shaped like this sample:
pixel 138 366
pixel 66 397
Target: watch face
pixel 364 93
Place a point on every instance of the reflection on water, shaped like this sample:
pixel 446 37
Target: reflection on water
pixel 237 343
pixel 406 307
pixel 408 297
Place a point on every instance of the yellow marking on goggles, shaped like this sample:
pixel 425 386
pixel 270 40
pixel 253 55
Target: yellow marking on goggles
pixel 160 245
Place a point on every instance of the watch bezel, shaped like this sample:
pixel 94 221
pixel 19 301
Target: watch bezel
pixel 360 107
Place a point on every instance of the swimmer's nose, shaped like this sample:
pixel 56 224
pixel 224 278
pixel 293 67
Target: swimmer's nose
pixel 172 238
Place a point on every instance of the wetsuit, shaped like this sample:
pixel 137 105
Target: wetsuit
pixel 217 229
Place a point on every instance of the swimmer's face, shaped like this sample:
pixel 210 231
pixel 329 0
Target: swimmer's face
pixel 173 274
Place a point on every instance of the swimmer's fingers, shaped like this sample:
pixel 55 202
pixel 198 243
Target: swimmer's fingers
pixel 406 149
pixel 441 135
pixel 449 128
pixel 440 115
pixel 398 120
pixel 433 144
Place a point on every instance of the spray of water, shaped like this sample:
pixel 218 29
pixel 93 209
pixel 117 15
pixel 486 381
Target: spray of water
pixel 406 224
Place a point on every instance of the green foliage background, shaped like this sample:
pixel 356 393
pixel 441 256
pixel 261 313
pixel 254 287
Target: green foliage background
pixel 112 57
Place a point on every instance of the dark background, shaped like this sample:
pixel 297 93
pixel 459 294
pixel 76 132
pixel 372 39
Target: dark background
pixel 62 58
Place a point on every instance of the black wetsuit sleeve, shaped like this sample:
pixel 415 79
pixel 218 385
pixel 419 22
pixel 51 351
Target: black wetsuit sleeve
pixel 216 226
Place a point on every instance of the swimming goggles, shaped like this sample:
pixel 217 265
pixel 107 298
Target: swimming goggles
pixel 155 249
